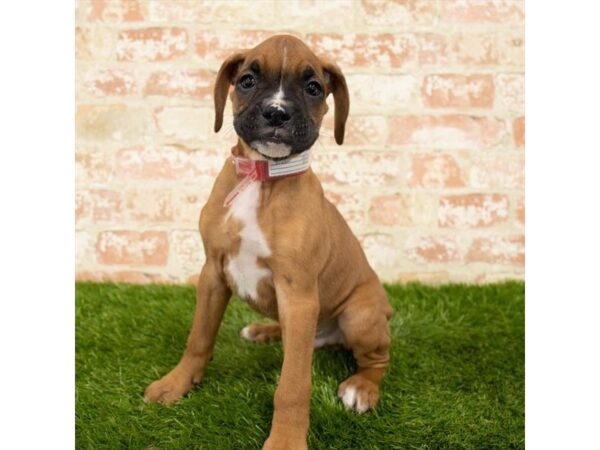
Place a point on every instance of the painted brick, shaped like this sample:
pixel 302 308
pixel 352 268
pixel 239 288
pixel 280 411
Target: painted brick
pixel 471 49
pixel 458 91
pixel 511 48
pixel 463 49
pixel 148 205
pixel 511 91
pixel 434 171
pixel 167 163
pixel 472 210
pixel 211 47
pixel 123 276
pixel 184 123
pixel 374 93
pixel 497 172
pixel 186 251
pixel 97 205
pixel 520 211
pixel 175 82
pixel 111 10
pixel 85 255
pixel 360 130
pixel 432 249
pixel 359 168
pixel 433 49
pixel 482 11
pixel 383 252
pixel 83 206
pixel 132 247
pixel 402 209
pixel 110 82
pixel 166 11
pixel 498 274
pixel 220 12
pixel 94 43
pixel 365 50
pixel 116 123
pixel 519 131
pixel 93 166
pixel 187 203
pixel 476 49
pixel 434 278
pixel 151 44
pixel 498 250
pixel 446 132
pixel 407 13
pixel 350 205
pixel 314 14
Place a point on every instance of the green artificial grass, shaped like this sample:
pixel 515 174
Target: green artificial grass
pixel 456 378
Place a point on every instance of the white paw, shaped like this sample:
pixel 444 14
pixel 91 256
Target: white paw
pixel 352 400
pixel 245 333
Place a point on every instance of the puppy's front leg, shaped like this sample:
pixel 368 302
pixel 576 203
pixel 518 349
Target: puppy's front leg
pixel 212 296
pixel 298 314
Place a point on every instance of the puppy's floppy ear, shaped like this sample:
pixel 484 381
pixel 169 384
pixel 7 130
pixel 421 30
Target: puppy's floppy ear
pixel 336 84
pixel 224 80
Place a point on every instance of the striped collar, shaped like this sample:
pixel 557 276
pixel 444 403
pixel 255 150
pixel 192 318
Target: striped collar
pixel 265 170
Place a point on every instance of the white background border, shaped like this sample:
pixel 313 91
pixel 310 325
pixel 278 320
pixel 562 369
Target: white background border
pixel 37 223
pixel 562 225
pixel 37 238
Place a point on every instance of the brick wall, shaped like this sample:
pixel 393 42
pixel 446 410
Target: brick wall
pixel 430 178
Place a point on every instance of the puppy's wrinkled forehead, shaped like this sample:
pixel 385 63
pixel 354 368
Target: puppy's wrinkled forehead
pixel 279 56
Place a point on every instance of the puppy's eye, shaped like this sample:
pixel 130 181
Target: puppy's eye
pixel 247 81
pixel 314 89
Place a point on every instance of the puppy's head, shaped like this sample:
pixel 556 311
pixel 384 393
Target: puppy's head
pixel 279 95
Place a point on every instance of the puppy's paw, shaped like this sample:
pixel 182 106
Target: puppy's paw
pixel 358 393
pixel 261 332
pixel 169 388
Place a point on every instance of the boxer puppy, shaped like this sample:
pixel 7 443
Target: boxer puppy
pixel 271 237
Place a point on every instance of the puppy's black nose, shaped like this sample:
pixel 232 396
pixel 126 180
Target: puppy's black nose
pixel 276 115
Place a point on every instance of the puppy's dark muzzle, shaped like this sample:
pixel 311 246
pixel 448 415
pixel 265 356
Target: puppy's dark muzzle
pixel 276 116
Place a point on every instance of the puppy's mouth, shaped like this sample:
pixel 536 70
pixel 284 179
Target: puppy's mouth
pixel 275 142
pixel 272 146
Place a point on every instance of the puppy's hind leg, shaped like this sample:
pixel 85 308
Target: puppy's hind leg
pixel 261 332
pixel 364 324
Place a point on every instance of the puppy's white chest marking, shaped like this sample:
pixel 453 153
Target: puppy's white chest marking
pixel 243 267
